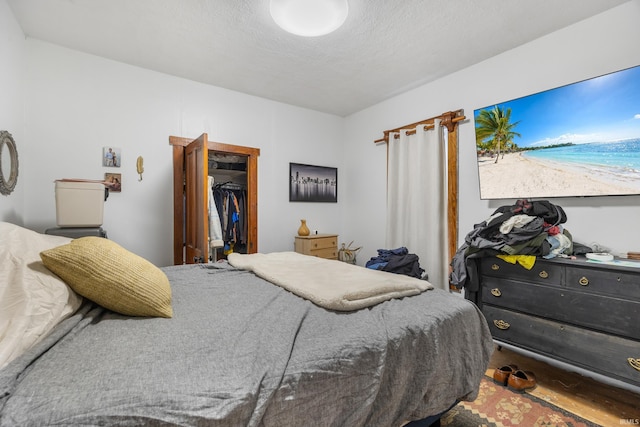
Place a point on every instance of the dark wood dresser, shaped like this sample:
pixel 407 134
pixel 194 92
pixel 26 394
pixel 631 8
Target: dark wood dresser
pixel 582 313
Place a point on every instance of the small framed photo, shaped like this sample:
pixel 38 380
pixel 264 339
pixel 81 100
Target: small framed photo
pixel 111 157
pixel 113 181
pixel 308 183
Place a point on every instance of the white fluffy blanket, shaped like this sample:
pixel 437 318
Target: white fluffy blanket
pixel 328 283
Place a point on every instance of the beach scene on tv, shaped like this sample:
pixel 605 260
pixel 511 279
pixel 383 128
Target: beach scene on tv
pixel 582 139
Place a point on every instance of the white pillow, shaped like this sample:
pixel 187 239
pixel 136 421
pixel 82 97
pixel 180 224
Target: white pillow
pixel 32 299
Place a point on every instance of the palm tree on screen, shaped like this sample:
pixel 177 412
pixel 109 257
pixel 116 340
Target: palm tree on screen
pixel 494 128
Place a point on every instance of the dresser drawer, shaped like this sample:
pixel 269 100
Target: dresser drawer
pixel 598 352
pixel 613 315
pixel 619 283
pixel 540 273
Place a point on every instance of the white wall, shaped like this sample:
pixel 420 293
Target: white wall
pixel 12 108
pixel 605 43
pixel 77 104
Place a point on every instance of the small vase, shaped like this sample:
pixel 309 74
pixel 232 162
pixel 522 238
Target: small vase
pixel 303 230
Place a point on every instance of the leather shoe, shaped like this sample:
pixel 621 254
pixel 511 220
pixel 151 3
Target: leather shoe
pixel 521 381
pixel 501 375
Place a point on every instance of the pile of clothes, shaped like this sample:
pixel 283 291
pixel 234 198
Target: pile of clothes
pixel 529 228
pixel 398 261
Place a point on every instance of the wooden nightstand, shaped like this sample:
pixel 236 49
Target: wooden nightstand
pixel 320 245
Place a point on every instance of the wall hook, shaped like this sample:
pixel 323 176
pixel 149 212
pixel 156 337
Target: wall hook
pixel 140 166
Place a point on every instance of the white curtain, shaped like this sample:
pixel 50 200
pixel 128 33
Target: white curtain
pixel 417 199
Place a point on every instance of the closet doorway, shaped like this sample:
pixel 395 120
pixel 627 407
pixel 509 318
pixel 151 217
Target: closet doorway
pixel 230 164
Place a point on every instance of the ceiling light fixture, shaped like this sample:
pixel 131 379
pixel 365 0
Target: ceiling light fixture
pixel 309 18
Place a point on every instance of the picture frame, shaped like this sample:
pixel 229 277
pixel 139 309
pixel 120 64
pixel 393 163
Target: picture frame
pixel 113 181
pixel 310 183
pixel 111 157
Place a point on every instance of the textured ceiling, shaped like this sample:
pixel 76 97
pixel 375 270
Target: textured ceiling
pixel 384 48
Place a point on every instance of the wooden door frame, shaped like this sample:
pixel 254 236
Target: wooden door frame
pixel 179 144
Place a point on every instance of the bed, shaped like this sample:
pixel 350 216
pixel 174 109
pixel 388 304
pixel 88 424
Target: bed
pixel 238 350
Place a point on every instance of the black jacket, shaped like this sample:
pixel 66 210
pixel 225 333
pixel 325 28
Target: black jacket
pixel 408 265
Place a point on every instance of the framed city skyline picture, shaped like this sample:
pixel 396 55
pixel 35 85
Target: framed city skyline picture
pixel 309 183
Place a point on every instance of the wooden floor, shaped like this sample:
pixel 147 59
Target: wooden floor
pixel 580 395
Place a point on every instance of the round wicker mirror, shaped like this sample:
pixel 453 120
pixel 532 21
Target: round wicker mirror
pixel 8 163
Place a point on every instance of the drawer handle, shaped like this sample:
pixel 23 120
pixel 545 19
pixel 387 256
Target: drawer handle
pixel 501 324
pixel 496 292
pixel 583 281
pixel 543 274
pixel 495 267
pixel 315 245
pixel 635 363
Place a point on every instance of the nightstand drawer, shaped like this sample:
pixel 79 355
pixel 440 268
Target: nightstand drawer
pixel 320 245
pixel 540 273
pixel 323 243
pixel 331 253
pixel 613 315
pixel 595 351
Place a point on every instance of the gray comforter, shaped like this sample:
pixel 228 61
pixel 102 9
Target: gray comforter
pixel 241 351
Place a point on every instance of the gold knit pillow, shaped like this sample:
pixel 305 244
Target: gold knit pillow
pixel 109 275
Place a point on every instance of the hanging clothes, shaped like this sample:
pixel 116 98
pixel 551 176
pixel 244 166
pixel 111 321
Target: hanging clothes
pixel 230 201
pixel 215 228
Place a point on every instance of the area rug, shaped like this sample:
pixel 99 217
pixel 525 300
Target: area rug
pixel 497 406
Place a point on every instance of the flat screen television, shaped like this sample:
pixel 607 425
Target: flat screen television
pixel 578 140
